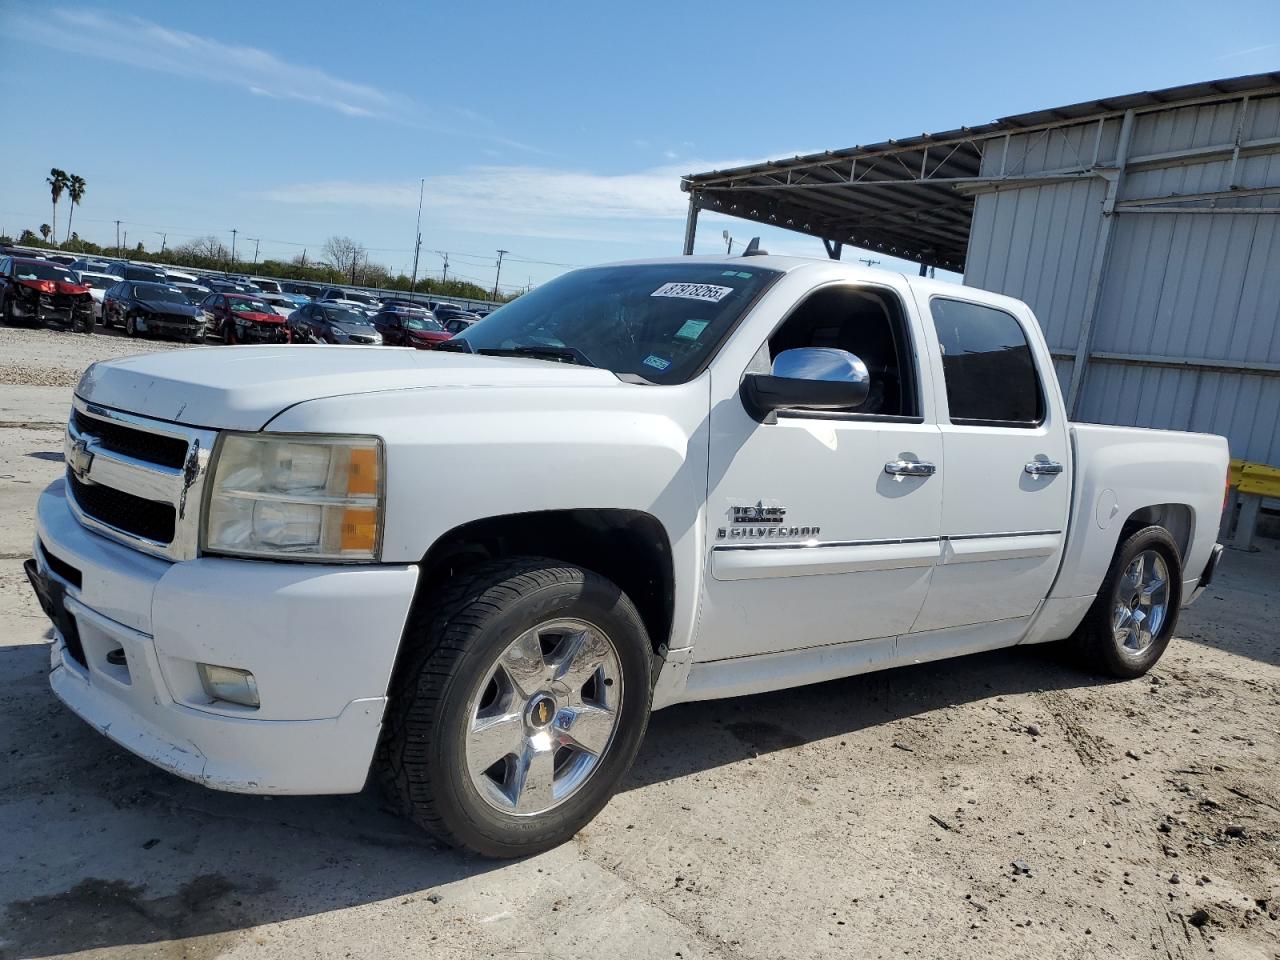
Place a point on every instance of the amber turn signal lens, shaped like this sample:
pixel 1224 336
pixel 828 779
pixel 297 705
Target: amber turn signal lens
pixel 362 472
pixel 359 528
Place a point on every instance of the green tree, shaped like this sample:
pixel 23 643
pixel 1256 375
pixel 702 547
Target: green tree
pixel 75 190
pixel 57 181
pixel 45 231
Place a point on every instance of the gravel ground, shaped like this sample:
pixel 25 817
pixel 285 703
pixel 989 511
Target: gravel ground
pixel 997 806
pixel 56 358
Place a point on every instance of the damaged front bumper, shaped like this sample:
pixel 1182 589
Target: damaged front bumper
pixel 173 326
pixel 64 308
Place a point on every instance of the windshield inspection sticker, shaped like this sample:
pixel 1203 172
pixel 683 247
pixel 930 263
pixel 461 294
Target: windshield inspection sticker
pixel 692 329
pixel 658 363
pixel 693 291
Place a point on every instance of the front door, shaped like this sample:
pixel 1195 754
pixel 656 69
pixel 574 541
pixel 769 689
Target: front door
pixel 811 541
pixel 1006 488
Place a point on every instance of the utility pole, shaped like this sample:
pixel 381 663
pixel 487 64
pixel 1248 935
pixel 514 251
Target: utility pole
pixel 444 276
pixel 498 274
pixel 256 241
pixel 163 237
pixel 234 231
pixel 417 246
pixel 119 253
pixel 126 238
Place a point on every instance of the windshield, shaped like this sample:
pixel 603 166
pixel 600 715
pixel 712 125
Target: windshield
pixel 242 305
pixel 660 322
pixel 165 294
pixel 345 317
pixel 422 323
pixel 267 286
pixel 42 270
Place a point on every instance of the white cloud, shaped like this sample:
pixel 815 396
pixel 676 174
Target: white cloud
pixel 1247 51
pixel 533 201
pixel 143 43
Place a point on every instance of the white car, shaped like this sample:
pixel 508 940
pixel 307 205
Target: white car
pixel 99 284
pixel 359 306
pixel 195 292
pixel 265 285
pixel 669 481
pixel 279 303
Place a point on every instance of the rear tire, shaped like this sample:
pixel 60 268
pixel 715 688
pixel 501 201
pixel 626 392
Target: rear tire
pixel 508 643
pixel 6 314
pixel 1132 619
pixel 130 326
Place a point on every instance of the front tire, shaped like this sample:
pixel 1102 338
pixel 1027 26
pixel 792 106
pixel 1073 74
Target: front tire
pixel 130 326
pixel 1130 623
pixel 521 707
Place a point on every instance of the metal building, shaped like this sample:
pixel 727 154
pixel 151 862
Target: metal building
pixel 1142 229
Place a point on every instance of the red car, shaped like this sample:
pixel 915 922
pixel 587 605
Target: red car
pixel 409 326
pixel 39 290
pixel 243 318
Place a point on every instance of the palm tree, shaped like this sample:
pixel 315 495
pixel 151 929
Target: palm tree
pixel 75 190
pixel 57 181
pixel 45 231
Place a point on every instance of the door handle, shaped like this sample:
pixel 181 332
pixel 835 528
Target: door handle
pixel 910 468
pixel 1043 468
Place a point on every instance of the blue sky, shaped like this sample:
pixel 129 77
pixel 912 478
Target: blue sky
pixel 557 131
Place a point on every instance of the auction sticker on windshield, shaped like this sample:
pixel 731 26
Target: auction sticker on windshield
pixel 693 291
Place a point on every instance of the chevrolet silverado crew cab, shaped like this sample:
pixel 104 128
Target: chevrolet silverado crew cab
pixel 668 481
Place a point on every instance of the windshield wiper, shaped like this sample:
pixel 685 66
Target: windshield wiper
pixel 558 354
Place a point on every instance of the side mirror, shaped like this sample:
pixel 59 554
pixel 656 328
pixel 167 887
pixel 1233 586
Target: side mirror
pixel 814 378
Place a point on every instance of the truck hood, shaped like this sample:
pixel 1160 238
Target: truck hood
pixel 242 388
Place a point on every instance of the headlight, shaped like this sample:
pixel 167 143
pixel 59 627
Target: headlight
pixel 295 497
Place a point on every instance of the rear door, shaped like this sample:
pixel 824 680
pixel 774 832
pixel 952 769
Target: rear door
pixel 1006 486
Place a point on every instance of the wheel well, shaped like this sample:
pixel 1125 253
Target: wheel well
pixel 629 547
pixel 1177 518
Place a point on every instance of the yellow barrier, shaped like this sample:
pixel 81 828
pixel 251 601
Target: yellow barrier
pixel 1260 479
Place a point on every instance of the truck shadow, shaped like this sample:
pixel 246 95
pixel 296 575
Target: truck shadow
pixel 111 852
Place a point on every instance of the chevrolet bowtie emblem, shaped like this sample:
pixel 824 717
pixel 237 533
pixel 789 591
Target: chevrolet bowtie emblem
pixel 80 459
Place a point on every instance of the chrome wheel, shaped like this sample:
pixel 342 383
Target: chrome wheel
pixel 544 717
pixel 1141 602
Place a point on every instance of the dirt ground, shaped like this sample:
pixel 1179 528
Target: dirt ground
pixel 1002 805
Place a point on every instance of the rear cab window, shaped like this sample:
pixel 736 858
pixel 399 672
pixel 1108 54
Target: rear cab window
pixel 990 373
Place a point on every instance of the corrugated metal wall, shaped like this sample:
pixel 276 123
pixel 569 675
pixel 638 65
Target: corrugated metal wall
pixel 1176 286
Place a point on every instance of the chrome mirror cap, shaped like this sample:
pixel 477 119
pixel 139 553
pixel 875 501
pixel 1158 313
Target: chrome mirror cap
pixel 821 363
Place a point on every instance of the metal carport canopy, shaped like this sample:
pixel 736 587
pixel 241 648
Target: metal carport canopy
pixel 906 198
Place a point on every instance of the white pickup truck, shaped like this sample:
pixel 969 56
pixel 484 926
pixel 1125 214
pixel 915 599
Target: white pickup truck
pixel 476 570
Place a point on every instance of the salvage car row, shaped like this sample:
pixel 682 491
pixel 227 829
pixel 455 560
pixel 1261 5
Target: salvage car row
pixel 145 301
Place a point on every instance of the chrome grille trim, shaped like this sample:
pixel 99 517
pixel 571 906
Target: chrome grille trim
pixel 181 488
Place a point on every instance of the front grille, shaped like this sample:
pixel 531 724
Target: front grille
pixel 133 515
pixel 139 444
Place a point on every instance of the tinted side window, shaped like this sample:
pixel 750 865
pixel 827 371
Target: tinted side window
pixel 867 322
pixel 986 360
